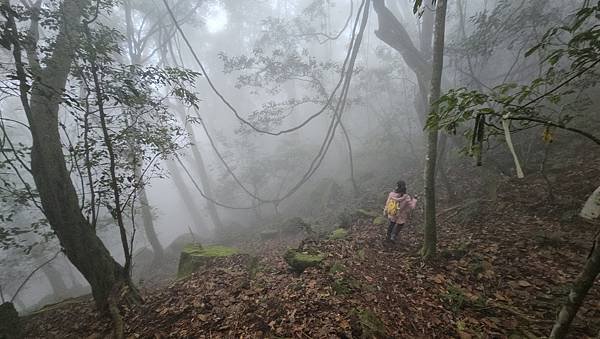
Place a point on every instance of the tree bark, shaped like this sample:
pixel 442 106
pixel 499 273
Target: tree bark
pixel 577 294
pixel 147 219
pixel 57 194
pixel 430 241
pixel 441 167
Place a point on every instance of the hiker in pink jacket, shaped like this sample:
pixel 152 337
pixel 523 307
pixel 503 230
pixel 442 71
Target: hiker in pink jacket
pixel 404 203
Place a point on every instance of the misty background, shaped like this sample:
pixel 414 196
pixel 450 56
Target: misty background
pixel 276 62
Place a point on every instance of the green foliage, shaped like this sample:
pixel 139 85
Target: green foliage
pixel 510 25
pixel 136 101
pixel 529 105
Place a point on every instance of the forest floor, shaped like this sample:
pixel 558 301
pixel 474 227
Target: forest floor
pixel 503 273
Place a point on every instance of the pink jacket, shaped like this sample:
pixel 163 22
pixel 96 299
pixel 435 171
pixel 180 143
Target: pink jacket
pixel 406 203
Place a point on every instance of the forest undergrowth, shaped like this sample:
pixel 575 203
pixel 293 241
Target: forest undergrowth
pixel 502 273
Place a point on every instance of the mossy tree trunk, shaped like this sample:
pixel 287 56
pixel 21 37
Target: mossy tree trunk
pixel 430 241
pixel 57 193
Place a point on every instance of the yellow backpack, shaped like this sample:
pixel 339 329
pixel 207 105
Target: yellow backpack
pixel 392 207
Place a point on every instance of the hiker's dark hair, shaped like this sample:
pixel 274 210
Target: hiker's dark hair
pixel 400 187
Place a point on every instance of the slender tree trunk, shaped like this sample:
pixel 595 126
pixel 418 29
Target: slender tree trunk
pixel 59 288
pixel 57 194
pixel 350 158
pixel 147 219
pixel 186 197
pixel 441 167
pixel 430 242
pixel 577 294
pixel 202 173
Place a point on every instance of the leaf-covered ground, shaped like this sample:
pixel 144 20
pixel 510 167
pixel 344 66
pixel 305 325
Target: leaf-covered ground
pixel 503 273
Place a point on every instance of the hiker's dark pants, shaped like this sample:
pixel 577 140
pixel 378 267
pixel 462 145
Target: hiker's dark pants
pixel 393 230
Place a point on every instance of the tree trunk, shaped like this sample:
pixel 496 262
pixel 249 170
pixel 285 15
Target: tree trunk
pixel 430 242
pixel 577 294
pixel 393 33
pixel 441 167
pixel 147 219
pixel 202 173
pixel 57 194
pixel 59 288
pixel 186 196
pixel 10 324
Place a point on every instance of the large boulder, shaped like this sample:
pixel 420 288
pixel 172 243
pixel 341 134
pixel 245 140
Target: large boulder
pixel 10 325
pixel 299 261
pixel 194 256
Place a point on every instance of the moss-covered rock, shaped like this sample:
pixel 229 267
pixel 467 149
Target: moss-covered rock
pixel 380 220
pixel 174 249
pixel 194 256
pixel 10 325
pixel 339 233
pixel 299 261
pixel 370 324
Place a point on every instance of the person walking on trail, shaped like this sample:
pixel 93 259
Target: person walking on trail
pixel 397 208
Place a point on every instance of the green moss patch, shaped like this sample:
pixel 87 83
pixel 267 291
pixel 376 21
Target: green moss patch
pixel 299 261
pixel 366 213
pixel 380 221
pixel 339 233
pixel 371 325
pixel 194 256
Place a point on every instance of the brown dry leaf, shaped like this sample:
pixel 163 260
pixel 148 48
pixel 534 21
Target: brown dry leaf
pixel 500 297
pixel 344 324
pixel 438 279
pixel 524 283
